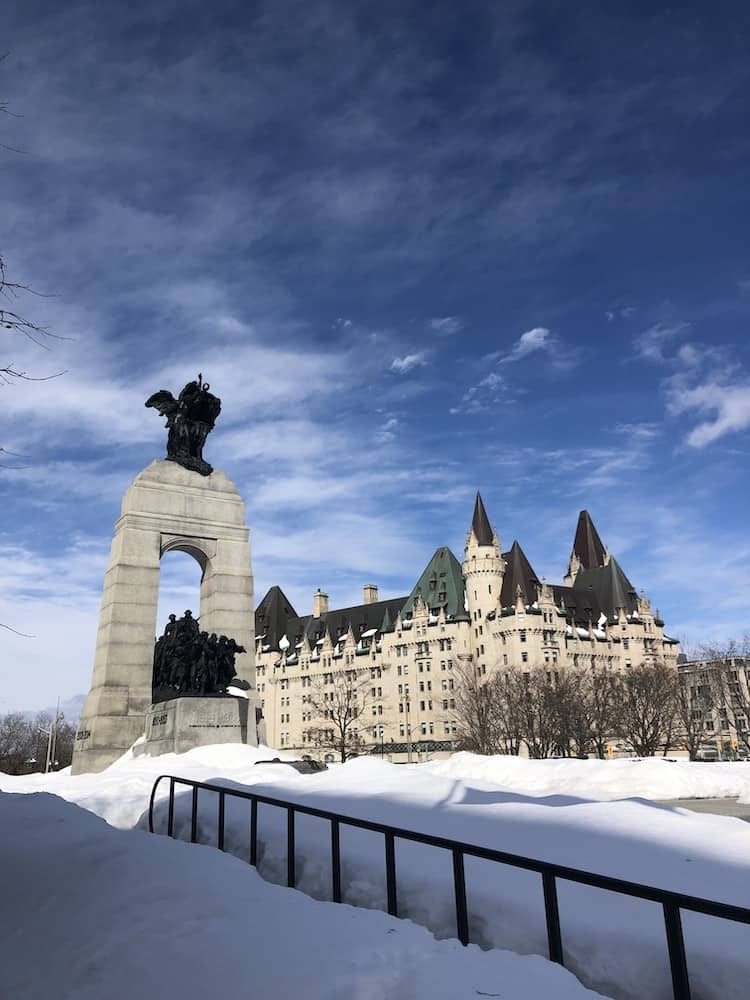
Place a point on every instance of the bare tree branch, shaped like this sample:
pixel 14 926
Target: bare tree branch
pixel 16 632
pixel 339 700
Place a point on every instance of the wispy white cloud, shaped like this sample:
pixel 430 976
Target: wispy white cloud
pixel 387 430
pixel 446 326
pixel 405 364
pixel 725 403
pixel 706 381
pixel 651 343
pixel 538 339
pixel 480 397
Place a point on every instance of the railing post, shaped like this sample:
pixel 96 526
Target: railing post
pixel 290 873
pixel 390 874
pixel 459 882
pixel 552 914
pixel 676 945
pixel 220 824
pixel 170 811
pixel 335 861
pixel 254 832
pixel 194 816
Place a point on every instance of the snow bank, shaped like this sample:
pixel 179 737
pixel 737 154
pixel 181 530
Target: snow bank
pixel 128 915
pixel 648 778
pixel 614 944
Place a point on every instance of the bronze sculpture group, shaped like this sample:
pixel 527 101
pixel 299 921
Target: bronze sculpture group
pixel 188 661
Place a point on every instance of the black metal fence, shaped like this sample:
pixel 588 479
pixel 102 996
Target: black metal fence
pixel 672 902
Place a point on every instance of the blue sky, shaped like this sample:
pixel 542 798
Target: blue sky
pixel 417 249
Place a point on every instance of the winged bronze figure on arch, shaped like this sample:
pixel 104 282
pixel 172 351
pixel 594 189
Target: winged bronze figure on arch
pixel 190 418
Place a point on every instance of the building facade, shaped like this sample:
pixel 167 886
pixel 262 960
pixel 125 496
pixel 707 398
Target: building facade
pixel 405 655
pixel 719 693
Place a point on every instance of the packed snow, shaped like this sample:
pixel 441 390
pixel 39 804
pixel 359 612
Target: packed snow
pixel 593 815
pixel 654 778
pixel 89 912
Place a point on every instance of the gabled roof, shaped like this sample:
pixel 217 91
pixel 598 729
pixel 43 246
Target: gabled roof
pixel 441 585
pixel 518 573
pixel 271 616
pixel 480 523
pixel 587 544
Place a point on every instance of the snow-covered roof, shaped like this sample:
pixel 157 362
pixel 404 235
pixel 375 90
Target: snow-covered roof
pixel 368 633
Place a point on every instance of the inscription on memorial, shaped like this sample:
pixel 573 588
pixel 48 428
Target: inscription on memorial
pixel 83 734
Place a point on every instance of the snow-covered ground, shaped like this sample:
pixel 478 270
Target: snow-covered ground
pixel 92 913
pixel 649 778
pixel 593 815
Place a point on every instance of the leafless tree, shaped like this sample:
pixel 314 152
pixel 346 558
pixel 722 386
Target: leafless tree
pixel 17 743
pixel 648 709
pixel 339 700
pixel 488 710
pixel 23 742
pixel 477 711
pixel 539 714
pixel 605 695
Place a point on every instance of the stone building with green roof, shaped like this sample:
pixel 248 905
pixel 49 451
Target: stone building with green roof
pixel 405 656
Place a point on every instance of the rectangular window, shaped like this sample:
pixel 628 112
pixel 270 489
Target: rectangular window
pixel 524 657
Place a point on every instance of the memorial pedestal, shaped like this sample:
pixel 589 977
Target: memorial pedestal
pixel 182 724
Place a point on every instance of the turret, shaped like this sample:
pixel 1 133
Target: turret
pixel 483 565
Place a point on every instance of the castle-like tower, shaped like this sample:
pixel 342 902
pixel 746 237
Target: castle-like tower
pixel 488 613
pixel 483 567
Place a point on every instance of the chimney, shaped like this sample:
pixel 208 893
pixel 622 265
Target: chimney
pixel 370 593
pixel 320 603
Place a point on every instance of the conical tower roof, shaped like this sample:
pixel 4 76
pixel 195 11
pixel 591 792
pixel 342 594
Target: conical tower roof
pixel 272 615
pixel 588 545
pixel 518 573
pixel 480 523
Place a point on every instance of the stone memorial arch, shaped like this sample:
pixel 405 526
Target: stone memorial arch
pixel 167 507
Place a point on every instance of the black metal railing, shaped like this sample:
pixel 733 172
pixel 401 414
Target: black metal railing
pixel 672 902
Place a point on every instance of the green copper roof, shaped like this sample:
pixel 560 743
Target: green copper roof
pixel 441 585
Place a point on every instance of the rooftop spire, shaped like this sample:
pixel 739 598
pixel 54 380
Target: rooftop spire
pixel 480 523
pixel 588 545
